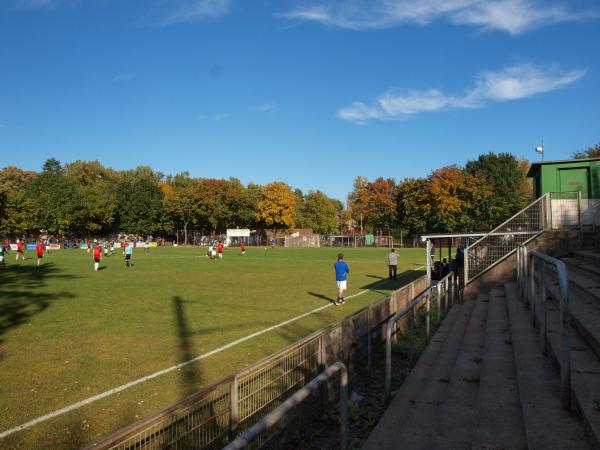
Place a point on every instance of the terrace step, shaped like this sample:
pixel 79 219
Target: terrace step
pixel 428 380
pixel 585 363
pixel 539 386
pixel 589 256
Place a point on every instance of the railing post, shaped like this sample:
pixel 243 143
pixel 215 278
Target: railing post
pixel 428 314
pixel 233 408
pixel 579 210
pixel 549 224
pixel 531 296
pixel 439 301
pixel 466 267
pixel 543 311
pixel 411 336
pixel 344 409
pixel 369 360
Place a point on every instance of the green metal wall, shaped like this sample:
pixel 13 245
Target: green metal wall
pixel 557 177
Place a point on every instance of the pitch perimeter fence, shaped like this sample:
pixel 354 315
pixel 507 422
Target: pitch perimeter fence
pixel 217 414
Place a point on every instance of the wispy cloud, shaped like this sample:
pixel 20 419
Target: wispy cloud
pixel 42 4
pixel 512 16
pixel 266 107
pixel 188 11
pixel 512 83
pixel 221 116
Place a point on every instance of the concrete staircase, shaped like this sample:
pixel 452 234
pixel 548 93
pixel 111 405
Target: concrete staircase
pixel 483 382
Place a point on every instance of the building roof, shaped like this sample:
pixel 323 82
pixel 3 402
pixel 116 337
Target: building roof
pixel 535 167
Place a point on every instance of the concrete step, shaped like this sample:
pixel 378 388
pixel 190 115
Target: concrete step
pixel 585 372
pixel 589 256
pixel 499 416
pixel 583 279
pixel 547 425
pixel 585 313
pixel 428 378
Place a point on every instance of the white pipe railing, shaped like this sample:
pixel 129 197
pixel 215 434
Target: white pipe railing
pixel 538 308
pixel 446 285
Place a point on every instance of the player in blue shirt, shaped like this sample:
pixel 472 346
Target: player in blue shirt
pixel 341 274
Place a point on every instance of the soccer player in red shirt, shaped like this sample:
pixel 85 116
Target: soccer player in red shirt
pixel 39 250
pixel 243 248
pixel 220 249
pixel 20 250
pixel 97 256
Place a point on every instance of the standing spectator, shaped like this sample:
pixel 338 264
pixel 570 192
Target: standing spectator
pixel 392 262
pixel 128 253
pixel 243 248
pixel 39 250
pixel 341 275
pixel 220 249
pixel 20 250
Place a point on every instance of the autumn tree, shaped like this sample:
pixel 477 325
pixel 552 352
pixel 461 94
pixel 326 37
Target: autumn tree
pixel 181 203
pixel 412 206
pixel 590 152
pixel 276 206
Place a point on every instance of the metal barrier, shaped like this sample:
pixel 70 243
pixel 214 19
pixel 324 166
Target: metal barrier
pixel 537 301
pixel 444 288
pixel 281 411
pixel 219 413
pixel 565 209
pixel 503 240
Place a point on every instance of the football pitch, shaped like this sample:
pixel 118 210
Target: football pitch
pixel 84 353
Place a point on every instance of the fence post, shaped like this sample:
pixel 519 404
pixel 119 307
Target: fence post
pixel 428 314
pixel 531 296
pixel 466 267
pixel 439 301
pixel 233 408
pixel 543 314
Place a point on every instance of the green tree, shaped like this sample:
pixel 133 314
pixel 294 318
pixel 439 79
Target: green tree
pixel 277 206
pixel 57 203
pixel 140 202
pixel 590 152
pixel 503 172
pixel 413 207
pixel 319 212
pixel 18 211
pixel 96 189
pixel 181 204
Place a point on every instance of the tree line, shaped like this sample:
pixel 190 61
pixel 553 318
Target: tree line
pixel 85 198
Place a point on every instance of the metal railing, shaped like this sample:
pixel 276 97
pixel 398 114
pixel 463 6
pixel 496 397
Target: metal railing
pixel 445 289
pixel 536 298
pixel 503 240
pixel 219 413
pixel 286 407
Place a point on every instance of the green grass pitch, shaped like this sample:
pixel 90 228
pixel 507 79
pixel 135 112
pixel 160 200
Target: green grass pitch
pixel 68 333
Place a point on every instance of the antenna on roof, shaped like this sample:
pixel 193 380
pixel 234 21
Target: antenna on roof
pixel 540 149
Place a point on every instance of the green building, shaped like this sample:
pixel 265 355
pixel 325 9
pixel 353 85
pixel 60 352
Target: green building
pixel 570 176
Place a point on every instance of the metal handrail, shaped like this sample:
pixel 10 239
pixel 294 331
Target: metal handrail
pixel 276 415
pixel 447 284
pixel 526 282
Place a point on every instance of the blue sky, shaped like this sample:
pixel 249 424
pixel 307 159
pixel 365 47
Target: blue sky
pixel 310 92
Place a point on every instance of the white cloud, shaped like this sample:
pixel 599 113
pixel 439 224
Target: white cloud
pixel 265 107
pixel 512 16
pixel 512 83
pixel 189 11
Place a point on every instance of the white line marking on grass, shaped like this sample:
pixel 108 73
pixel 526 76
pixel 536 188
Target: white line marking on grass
pixel 123 387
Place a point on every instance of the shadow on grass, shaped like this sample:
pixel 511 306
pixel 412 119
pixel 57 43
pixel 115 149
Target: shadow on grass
pixel 190 378
pixel 321 296
pixel 19 301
